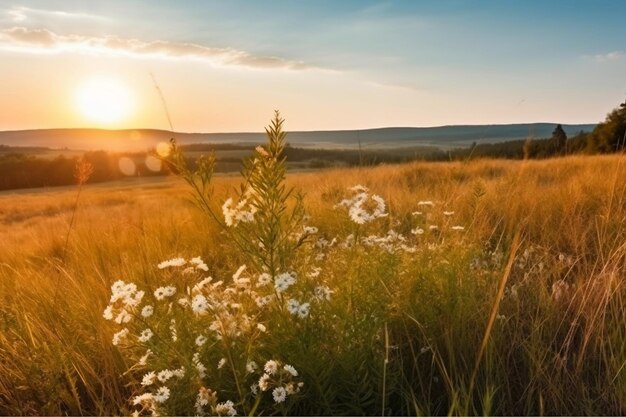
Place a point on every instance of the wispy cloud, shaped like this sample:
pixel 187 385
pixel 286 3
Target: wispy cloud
pixel 46 41
pixel 22 14
pixel 609 56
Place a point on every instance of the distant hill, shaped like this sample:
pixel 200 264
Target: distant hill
pixel 391 137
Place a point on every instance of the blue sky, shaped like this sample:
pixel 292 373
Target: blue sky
pixel 375 63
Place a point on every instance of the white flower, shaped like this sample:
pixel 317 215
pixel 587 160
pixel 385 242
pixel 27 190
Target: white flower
pixel 262 301
pixel 172 262
pixel 264 382
pixel 147 311
pixel 226 408
pixel 261 327
pixel 293 306
pixel 199 263
pixel 303 310
pixel 310 230
pixel 123 317
pixel 200 340
pixel 173 332
pixel 359 215
pixel 239 272
pixel 458 228
pixel 221 363
pixel 284 281
pixel 291 370
pixel 199 304
pixel 270 367
pixel 148 379
pixel 279 394
pixel 251 367
pixel 417 231
pixel 162 292
pixel 117 337
pixel 199 365
pixel 315 273
pixel 145 398
pixel 108 313
pixel 164 375
pixel 322 292
pixel 162 394
pixel 146 335
pixel 264 279
pixel 179 373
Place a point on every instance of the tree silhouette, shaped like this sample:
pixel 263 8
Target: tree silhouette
pixel 559 140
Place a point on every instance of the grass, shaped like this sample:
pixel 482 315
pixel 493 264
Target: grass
pixel 468 323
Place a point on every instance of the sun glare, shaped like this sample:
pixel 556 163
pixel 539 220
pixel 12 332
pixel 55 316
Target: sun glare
pixel 104 100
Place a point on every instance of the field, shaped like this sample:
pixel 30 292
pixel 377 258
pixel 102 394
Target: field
pixel 499 291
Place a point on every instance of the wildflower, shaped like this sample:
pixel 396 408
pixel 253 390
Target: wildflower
pixel 148 379
pixel 458 228
pixel 291 370
pixel 147 311
pixel 254 388
pixel 262 301
pixel 199 365
pixel 303 310
pixel 199 263
pixel 322 292
pixel 199 304
pixel 264 279
pixel 172 262
pixel 108 313
pixel 559 289
pixel 284 281
pixel 293 306
pixel 264 382
pixel 226 408
pixel 164 375
pixel 221 363
pixel 239 272
pixel 417 231
pixel 145 398
pixel 162 292
pixel 251 367
pixel 179 373
pixel 270 367
pixel 310 230
pixel 173 330
pixel 146 335
pixel 162 394
pixel 315 273
pixel 279 394
pixel 261 327
pixel 117 337
pixel 200 340
pixel 123 317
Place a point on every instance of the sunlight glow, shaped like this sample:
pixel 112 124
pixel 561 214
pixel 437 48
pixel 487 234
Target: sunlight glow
pixel 104 100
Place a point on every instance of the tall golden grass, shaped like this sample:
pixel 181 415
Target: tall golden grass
pixel 546 354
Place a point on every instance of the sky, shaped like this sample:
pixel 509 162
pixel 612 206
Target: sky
pixel 225 66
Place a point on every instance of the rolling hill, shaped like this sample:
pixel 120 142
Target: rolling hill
pixel 391 137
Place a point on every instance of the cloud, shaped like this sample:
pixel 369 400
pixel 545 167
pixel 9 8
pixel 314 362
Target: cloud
pixel 46 41
pixel 609 56
pixel 21 14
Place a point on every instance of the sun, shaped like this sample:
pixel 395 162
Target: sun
pixel 104 100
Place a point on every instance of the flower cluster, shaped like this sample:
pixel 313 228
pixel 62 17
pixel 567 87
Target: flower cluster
pixel 363 208
pixel 279 379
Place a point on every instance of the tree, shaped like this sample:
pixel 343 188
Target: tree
pixel 559 139
pixel 610 135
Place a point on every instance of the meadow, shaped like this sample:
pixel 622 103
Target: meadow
pixel 434 288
